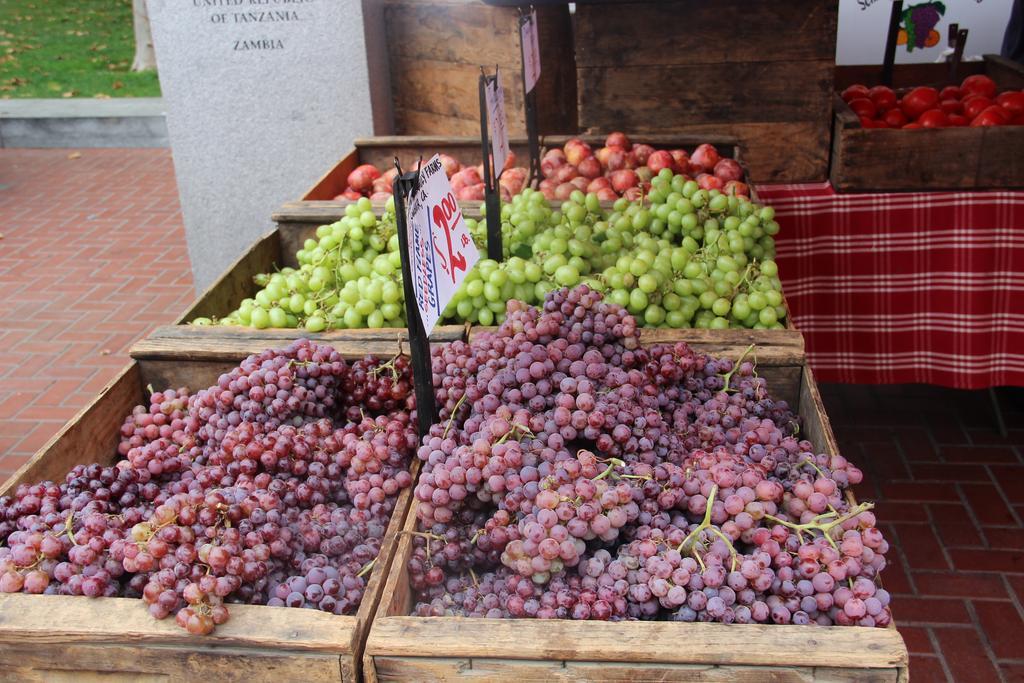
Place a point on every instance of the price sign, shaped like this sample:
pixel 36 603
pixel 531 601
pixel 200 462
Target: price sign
pixel 531 50
pixel 441 251
pixel 495 96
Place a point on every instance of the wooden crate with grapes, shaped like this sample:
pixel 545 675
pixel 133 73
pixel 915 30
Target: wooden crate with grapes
pixel 63 635
pixel 583 526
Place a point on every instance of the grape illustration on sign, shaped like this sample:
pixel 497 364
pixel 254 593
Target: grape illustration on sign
pixel 917 29
pixel 441 249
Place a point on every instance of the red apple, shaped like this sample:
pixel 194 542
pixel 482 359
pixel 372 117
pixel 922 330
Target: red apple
pixel 616 160
pixel 580 183
pixel 603 153
pixel 631 161
pixel 565 174
pixel 661 159
pixel 382 185
pixel 643 153
pixel 707 181
pixel 553 160
pixel 380 196
pixel 349 193
pixel 599 183
pixel 607 194
pixel 681 158
pixel 644 174
pixel 576 151
pixel 618 140
pixel 705 157
pixel 589 167
pixel 361 179
pixel 564 190
pixel 471 192
pixel 548 193
pixel 633 194
pixel 451 164
pixel 623 179
pixel 547 184
pixel 736 187
pixel 729 169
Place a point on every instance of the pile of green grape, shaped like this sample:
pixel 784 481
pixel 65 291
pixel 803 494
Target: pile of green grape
pixel 682 257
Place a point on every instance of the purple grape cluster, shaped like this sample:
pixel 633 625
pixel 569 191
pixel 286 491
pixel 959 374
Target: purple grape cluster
pixel 257 490
pixel 577 474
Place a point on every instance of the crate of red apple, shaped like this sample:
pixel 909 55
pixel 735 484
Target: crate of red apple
pixel 611 166
pixel 931 136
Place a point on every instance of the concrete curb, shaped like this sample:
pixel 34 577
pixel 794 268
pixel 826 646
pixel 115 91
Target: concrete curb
pixel 123 122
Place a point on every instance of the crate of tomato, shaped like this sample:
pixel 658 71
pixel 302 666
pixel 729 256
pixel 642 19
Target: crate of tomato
pixel 937 134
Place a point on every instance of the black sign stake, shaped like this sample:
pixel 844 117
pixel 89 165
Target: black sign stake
pixel 492 200
pixel 405 184
pixel 890 42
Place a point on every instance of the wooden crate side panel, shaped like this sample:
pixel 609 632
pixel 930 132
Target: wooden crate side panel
pixel 883 159
pixel 93 430
pixel 226 346
pixel 816 425
pixel 236 283
pixel 458 33
pixel 1007 73
pixel 84 663
pixel 333 183
pixel 704 93
pixel 452 90
pixel 409 119
pixel 381 151
pixel 430 669
pixel 1001 160
pixel 645 642
pixel 695 32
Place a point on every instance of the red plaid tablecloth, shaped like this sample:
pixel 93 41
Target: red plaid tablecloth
pixel 905 287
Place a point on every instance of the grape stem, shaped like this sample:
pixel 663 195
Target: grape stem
pixel 727 378
pixel 69 527
pixel 367 568
pixel 458 405
pixel 808 461
pixel 612 463
pixel 819 523
pixel 689 543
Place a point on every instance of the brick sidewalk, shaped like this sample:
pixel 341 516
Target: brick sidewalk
pixel 93 255
pixel 950 495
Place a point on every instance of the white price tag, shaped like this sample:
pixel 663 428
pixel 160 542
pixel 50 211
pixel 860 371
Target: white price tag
pixel 495 96
pixel 531 50
pixel 442 251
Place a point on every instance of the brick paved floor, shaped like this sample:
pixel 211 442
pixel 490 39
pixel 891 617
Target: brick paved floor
pixel 92 256
pixel 950 493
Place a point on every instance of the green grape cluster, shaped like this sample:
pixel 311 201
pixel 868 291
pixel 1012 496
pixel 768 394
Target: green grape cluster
pixel 348 277
pixel 682 257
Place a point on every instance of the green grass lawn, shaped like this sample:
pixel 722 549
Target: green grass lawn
pixel 70 48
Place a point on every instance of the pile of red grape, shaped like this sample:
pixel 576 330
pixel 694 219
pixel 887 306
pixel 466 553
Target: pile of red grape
pixel 272 487
pixel 576 474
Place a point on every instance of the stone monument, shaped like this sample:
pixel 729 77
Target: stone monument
pixel 262 97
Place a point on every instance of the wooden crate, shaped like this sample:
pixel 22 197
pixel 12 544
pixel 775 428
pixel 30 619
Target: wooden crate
pixel 73 638
pixel 760 71
pixel 275 249
pixel 956 158
pixel 435 51
pixel 402 647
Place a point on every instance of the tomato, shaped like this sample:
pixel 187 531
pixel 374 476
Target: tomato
pixel 867 122
pixel 862 107
pixel 979 84
pixel 1012 102
pixel 933 118
pixel 918 101
pixel 975 105
pixel 915 124
pixel 957 120
pixel 950 92
pixel 883 97
pixel 894 118
pixel 951 106
pixel 855 91
pixel 991 116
